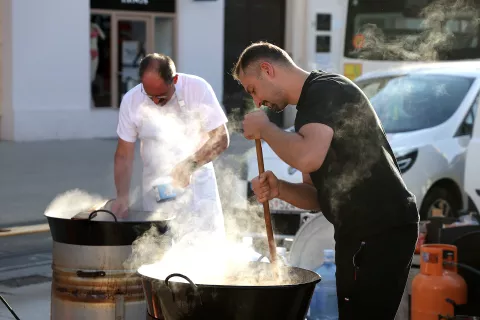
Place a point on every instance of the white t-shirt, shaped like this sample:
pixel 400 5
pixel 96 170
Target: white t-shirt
pixel 197 94
pixel 168 135
pixel 171 133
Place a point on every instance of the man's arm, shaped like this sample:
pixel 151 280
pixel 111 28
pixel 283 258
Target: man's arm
pixel 301 195
pixel 305 150
pixel 217 143
pixel 123 165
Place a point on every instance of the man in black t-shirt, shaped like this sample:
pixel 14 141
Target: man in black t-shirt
pixel 349 172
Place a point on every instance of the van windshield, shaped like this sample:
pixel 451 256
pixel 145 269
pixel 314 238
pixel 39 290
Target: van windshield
pixel 415 102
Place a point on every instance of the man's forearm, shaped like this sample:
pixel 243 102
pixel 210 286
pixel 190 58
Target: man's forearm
pixel 287 145
pixel 122 175
pixel 215 145
pixel 300 195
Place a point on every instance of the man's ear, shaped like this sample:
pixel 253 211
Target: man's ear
pixel 175 79
pixel 267 68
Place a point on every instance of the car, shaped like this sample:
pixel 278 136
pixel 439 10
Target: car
pixel 427 112
pixel 472 177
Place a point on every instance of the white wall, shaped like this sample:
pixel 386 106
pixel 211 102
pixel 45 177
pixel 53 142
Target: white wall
pixel 1 82
pixel 49 59
pixel 6 120
pixel 200 23
pixel 295 39
pixel 295 30
pixel 46 66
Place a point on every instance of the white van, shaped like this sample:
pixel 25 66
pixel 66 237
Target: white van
pixel 472 164
pixel 428 112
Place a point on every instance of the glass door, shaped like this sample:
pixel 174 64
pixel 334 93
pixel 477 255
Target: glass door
pixel 133 36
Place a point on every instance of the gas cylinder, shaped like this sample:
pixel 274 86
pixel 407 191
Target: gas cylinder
pixel 438 286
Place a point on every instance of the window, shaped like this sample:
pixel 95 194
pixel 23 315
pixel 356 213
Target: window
pixel 100 58
pixel 324 22
pixel 404 24
pixel 415 102
pixel 132 48
pixel 323 44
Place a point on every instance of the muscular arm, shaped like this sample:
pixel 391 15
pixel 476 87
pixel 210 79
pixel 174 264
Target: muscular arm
pixel 217 143
pixel 305 150
pixel 123 164
pixel 301 195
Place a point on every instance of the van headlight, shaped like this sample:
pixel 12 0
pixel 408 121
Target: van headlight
pixel 406 161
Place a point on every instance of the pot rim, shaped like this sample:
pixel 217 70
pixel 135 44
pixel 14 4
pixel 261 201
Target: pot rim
pixel 225 286
pixel 170 218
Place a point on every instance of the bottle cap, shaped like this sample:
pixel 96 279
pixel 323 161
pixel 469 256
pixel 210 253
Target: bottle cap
pixel 329 254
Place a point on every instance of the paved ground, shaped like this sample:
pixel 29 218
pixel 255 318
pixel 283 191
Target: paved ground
pixel 29 302
pixel 33 173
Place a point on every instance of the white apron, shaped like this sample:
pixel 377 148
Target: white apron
pixel 170 134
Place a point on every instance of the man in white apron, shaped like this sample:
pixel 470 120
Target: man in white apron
pixel 182 129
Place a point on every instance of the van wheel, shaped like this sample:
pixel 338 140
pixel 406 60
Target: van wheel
pixel 440 201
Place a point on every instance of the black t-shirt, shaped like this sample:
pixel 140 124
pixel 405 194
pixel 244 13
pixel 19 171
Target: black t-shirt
pixel 359 185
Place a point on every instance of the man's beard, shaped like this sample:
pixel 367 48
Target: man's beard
pixel 272 106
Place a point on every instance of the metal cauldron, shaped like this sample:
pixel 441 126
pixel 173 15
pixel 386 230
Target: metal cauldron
pixel 89 279
pixel 171 299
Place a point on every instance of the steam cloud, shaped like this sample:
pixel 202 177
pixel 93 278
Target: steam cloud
pixel 431 44
pixel 198 255
pixel 73 202
pixel 355 126
pixel 191 246
pixel 196 251
pixel 428 44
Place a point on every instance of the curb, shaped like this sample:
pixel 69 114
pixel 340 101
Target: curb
pixel 16 231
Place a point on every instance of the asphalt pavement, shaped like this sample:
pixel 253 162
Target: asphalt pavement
pixel 32 174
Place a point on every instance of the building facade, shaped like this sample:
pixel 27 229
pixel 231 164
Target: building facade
pixel 65 65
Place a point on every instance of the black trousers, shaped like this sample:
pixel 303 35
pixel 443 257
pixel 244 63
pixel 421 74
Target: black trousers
pixel 372 273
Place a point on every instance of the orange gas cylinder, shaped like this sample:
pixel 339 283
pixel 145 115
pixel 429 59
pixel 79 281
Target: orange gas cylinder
pixel 438 284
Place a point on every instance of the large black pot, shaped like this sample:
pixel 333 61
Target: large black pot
pixel 83 229
pixel 170 300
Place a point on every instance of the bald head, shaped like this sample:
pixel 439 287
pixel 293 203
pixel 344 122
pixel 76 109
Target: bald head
pixel 159 64
pixel 253 55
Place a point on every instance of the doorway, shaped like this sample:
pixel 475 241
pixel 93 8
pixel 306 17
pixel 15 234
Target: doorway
pixel 118 42
pixel 133 43
pixel 248 21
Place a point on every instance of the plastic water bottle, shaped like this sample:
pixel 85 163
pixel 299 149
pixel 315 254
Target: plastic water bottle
pixel 324 304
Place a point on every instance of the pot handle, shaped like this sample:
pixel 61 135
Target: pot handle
pixel 192 285
pixel 93 214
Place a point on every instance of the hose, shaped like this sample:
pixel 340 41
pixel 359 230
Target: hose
pixel 9 308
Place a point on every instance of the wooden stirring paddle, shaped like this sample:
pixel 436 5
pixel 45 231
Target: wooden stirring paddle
pixel 266 208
